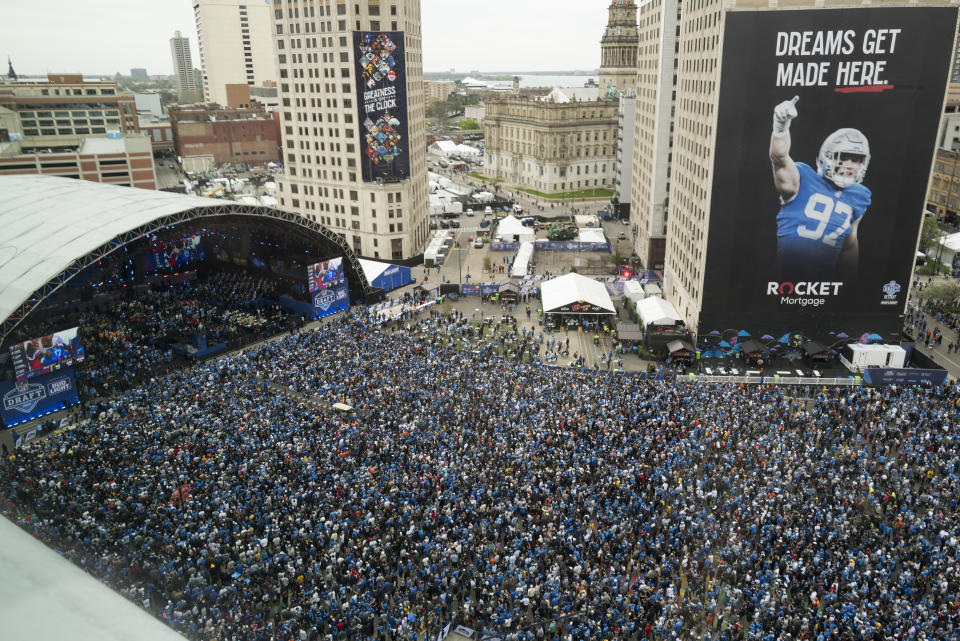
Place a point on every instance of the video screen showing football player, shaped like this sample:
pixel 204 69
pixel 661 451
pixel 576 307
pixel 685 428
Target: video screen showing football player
pixel 820 211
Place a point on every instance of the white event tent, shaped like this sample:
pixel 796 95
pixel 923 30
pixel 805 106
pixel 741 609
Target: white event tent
pixel 575 294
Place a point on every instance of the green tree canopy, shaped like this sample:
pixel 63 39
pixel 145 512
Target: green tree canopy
pixel 944 292
pixel 929 234
pixel 469 123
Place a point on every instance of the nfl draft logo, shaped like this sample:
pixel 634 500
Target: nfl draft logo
pixel 324 300
pixel 890 291
pixel 24 397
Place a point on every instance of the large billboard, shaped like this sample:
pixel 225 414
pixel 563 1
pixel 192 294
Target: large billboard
pixel 826 129
pixel 329 290
pixel 382 104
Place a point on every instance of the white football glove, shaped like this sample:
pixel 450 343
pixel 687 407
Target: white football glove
pixel 783 113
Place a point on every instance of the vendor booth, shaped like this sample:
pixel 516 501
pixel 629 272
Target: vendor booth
pixel 680 350
pixel 429 290
pixel 754 351
pixel 816 352
pixel 509 292
pixel 385 275
pixel 577 299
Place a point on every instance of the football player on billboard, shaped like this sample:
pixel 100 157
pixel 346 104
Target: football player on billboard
pixel 820 211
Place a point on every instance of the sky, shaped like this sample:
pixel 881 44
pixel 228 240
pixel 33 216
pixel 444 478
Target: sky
pixel 106 36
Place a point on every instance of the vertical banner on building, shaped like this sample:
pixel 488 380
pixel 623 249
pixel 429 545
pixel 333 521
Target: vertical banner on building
pixel 328 287
pixel 826 130
pixel 382 104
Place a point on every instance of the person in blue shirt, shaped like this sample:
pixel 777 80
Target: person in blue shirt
pixel 820 211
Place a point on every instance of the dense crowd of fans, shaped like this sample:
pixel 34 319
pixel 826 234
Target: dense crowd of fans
pixel 136 337
pixel 521 500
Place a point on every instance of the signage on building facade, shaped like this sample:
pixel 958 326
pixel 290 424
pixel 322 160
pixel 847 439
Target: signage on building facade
pixel 826 130
pixel 382 105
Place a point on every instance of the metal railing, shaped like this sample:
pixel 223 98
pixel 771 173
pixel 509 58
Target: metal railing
pixel 778 380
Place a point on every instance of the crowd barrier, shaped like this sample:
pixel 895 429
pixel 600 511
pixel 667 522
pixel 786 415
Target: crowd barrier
pixel 780 380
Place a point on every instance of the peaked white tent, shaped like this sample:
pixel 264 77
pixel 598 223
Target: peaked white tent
pixel 951 247
pixel 445 147
pixel 575 294
pixel 511 230
pixel 657 311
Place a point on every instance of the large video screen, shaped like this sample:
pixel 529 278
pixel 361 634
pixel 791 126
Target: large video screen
pixel 46 353
pixel 329 291
pixel 826 130
pixel 325 274
pixel 382 104
pixel 173 254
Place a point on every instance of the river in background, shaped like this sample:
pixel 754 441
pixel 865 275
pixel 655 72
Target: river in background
pixel 527 80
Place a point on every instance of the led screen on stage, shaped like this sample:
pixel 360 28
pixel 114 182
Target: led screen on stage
pixel 46 353
pixel 826 131
pixel 328 287
pixel 325 274
pixel 382 104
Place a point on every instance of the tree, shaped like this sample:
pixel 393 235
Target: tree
pixel 929 234
pixel 469 123
pixel 944 292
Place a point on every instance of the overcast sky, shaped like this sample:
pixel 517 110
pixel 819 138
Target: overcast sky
pixel 107 36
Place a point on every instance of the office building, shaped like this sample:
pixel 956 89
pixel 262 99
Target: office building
pixel 124 160
pixel 695 167
pixel 659 29
pixel 437 90
pixel 139 73
pixel 183 67
pixel 623 169
pixel 563 141
pixel 236 45
pixel 352 119
pixel 65 108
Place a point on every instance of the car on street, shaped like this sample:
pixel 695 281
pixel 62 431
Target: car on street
pixel 455 224
pixel 478 243
pixel 469 212
pixel 621 236
pixel 488 211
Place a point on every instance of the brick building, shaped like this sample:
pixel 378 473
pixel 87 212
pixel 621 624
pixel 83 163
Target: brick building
pixel 226 133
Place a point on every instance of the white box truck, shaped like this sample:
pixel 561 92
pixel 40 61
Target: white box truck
pixel 858 358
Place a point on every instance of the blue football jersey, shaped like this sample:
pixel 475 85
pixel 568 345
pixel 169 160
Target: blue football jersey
pixel 812 228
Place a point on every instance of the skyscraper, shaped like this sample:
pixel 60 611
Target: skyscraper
pixel 618 63
pixel 182 63
pixel 653 136
pixel 352 120
pixel 690 44
pixel 236 45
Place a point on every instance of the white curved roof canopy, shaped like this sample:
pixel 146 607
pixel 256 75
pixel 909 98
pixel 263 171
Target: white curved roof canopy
pixel 46 223
pixel 45 596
